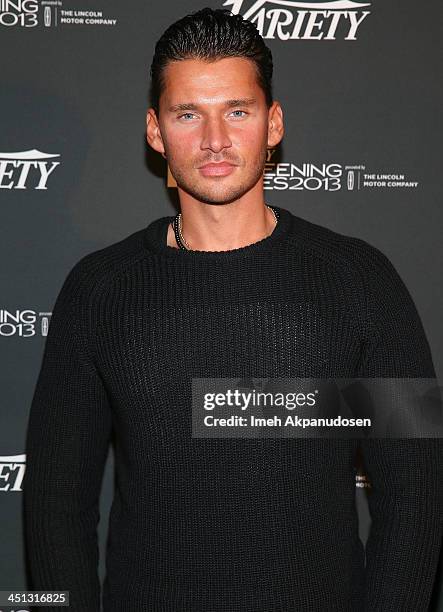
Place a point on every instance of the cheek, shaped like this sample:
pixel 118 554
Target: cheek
pixel 250 141
pixel 180 143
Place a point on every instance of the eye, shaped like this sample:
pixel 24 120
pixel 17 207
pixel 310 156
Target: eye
pixel 239 111
pixel 186 115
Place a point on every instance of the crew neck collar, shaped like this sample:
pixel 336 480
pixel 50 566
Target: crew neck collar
pixel 155 236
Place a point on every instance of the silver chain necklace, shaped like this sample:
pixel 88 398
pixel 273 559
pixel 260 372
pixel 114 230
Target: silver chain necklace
pixel 177 226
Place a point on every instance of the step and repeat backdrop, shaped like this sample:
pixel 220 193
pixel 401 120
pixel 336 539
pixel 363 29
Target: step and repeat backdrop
pixel 361 89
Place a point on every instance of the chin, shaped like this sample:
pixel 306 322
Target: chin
pixel 215 197
pixel 219 194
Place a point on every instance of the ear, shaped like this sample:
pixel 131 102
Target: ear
pixel 153 133
pixel 275 124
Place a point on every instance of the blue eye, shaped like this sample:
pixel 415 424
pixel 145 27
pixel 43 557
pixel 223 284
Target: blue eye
pixel 186 115
pixel 239 111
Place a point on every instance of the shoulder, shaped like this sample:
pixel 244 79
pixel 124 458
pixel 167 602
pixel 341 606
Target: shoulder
pixel 346 253
pixel 98 269
pixel 368 278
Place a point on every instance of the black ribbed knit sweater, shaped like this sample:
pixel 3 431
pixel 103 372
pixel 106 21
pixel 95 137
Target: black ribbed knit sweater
pixel 226 525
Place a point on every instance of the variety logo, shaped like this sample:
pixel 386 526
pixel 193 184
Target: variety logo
pixel 12 470
pixel 26 168
pixel 292 20
pixel 24 323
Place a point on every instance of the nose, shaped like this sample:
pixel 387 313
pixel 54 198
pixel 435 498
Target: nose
pixel 215 135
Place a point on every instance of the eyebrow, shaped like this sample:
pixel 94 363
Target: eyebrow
pixel 187 106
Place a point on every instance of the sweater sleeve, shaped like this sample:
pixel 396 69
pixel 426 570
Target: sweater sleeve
pixel 66 447
pixel 406 498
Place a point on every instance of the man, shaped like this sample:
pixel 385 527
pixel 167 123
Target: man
pixel 236 288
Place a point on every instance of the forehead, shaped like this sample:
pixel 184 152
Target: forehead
pixel 231 77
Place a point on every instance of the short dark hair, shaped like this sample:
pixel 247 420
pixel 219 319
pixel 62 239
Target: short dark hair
pixel 211 34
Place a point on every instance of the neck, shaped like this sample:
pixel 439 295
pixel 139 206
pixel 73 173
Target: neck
pixel 222 227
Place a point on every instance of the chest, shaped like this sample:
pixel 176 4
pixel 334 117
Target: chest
pixel 139 352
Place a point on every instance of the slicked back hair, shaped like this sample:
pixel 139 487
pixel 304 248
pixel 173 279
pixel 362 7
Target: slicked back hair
pixel 209 35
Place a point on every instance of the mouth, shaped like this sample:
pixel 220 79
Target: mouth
pixel 217 169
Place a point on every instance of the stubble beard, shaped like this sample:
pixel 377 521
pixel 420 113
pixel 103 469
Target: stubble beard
pixel 217 194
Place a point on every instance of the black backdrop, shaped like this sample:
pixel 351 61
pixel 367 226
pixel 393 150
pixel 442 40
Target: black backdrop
pixel 361 88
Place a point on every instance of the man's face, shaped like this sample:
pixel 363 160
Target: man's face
pixel 214 113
